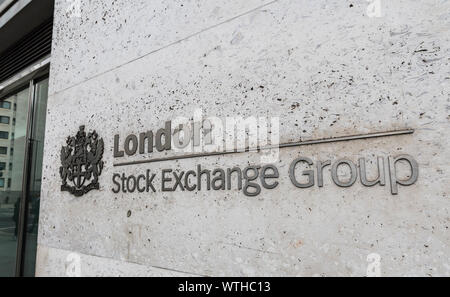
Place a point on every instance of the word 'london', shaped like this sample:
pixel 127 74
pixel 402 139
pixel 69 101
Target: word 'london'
pixel 251 179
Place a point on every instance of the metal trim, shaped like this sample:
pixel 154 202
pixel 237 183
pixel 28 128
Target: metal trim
pixel 5 5
pixel 7 15
pixel 23 76
pixel 25 187
pixel 284 145
pixel 28 159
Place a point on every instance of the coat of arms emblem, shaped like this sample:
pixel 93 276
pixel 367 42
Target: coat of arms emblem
pixel 81 162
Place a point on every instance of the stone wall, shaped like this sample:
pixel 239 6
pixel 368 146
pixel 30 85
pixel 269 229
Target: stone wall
pixel 325 68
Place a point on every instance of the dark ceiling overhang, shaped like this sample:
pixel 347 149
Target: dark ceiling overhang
pixel 24 21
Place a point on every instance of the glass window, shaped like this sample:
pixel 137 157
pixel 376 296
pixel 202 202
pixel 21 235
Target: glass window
pixel 35 179
pixel 4 135
pixel 5 104
pixel 11 181
pixel 10 198
pixel 4 119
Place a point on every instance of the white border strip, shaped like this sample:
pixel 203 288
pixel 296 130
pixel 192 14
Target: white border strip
pixel 5 4
pixel 10 13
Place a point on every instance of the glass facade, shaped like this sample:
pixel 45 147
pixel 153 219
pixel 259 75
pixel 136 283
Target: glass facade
pixel 35 176
pixel 20 180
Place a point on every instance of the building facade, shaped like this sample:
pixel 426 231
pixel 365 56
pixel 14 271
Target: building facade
pixel 225 138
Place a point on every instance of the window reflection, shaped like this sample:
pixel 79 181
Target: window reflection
pixel 12 139
pixel 34 191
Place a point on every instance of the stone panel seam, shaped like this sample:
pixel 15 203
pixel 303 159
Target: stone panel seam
pixel 164 47
pixel 124 261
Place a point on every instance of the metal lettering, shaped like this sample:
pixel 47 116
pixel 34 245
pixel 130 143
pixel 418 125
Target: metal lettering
pixel 165 179
pixel 393 172
pixel 309 173
pixel 320 166
pixel 166 132
pixel 363 176
pixel 178 180
pixel 248 184
pixel 220 178
pixel 131 139
pixel 265 175
pixel 353 173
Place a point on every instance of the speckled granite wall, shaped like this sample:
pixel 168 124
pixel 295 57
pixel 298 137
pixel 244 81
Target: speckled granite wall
pixel 326 68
